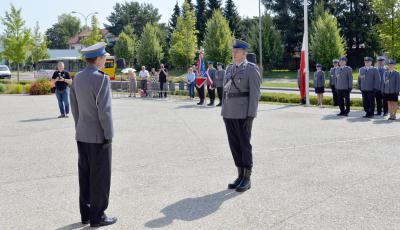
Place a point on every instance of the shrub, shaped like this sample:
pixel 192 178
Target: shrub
pixel 40 88
pixel 27 88
pixel 14 89
pixel 2 88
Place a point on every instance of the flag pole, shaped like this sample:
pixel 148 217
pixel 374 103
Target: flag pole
pixel 306 52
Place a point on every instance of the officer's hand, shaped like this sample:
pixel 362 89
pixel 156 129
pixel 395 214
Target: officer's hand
pixel 106 144
pixel 248 123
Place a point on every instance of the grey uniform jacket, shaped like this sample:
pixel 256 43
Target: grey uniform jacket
pixel 391 82
pixel 369 79
pixel 212 73
pixel 247 79
pixel 332 76
pixel 344 78
pixel 381 71
pixel 219 78
pixel 319 79
pixel 93 122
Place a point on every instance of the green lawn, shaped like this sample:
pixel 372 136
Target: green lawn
pixel 280 84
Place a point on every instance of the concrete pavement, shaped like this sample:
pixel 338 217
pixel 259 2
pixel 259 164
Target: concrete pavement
pixel 171 165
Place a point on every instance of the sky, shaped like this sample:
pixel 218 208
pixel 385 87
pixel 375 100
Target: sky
pixel 46 11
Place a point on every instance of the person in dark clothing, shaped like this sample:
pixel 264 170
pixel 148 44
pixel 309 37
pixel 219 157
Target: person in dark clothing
pixel 62 80
pixel 162 78
pixel 381 102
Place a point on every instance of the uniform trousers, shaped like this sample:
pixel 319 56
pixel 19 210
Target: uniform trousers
pixel 368 102
pixel 200 91
pixel 381 103
pixel 344 101
pixel 239 138
pixel 334 95
pixel 220 91
pixel 94 169
pixel 211 94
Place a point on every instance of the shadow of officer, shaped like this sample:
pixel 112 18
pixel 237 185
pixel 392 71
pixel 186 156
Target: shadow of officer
pixel 191 209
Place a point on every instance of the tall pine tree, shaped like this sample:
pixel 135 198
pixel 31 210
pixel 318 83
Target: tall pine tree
pixel 232 15
pixel 201 20
pixel 173 20
pixel 213 5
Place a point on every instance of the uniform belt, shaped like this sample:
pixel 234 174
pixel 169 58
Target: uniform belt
pixel 242 94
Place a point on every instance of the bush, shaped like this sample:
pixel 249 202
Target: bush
pixel 40 88
pixel 27 88
pixel 2 88
pixel 14 89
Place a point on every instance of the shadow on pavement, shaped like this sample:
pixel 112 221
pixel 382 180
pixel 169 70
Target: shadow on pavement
pixel 191 209
pixel 39 119
pixel 279 108
pixel 72 226
pixel 195 107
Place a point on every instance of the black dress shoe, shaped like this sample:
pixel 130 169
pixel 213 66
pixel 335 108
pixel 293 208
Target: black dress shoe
pixel 200 103
pixel 105 220
pixel 340 114
pixel 238 179
pixel 378 114
pixel 220 104
pixel 210 104
pixel 245 184
pixel 85 222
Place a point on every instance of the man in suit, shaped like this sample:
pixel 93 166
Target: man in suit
pixel 332 80
pixel 381 103
pixel 219 81
pixel 344 86
pixel 239 108
pixel 211 71
pixel 91 108
pixel 369 82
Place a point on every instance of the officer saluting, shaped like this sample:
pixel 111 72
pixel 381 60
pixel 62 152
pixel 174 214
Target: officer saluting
pixel 239 108
pixel 344 85
pixel 91 108
pixel 369 82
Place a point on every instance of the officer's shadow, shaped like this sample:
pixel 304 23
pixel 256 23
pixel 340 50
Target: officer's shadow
pixel 191 209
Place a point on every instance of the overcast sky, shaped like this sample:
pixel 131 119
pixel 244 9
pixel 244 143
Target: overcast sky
pixel 46 11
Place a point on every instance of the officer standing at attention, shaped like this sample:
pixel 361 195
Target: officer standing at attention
pixel 344 85
pixel 381 102
pixel 239 108
pixel 319 84
pixel 211 71
pixel 91 108
pixel 369 82
pixel 332 80
pixel 219 81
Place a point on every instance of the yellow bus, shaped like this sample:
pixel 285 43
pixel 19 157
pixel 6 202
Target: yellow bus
pixel 46 67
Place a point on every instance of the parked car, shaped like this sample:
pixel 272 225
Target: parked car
pixel 5 72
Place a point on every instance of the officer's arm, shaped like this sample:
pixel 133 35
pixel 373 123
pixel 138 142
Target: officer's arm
pixel 254 91
pixel 74 104
pixel 350 79
pixel 359 79
pixel 67 78
pixel 104 109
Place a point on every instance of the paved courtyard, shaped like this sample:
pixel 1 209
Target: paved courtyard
pixel 171 166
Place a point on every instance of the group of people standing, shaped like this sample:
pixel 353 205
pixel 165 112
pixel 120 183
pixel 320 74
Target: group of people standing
pixel 379 86
pixel 215 78
pixel 150 82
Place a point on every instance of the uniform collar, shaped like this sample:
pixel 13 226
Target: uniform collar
pixel 244 63
pixel 92 66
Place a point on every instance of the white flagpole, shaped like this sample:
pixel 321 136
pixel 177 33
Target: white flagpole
pixel 306 52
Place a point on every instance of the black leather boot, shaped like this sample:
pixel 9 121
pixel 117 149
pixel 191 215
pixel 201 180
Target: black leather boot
pixel 238 179
pixel 245 184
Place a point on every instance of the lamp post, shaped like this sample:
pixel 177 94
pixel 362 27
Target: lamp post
pixel 260 34
pixel 85 16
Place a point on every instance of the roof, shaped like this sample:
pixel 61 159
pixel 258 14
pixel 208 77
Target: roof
pixel 77 38
pixel 58 53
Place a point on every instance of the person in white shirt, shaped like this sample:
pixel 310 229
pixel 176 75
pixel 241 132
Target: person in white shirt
pixel 143 75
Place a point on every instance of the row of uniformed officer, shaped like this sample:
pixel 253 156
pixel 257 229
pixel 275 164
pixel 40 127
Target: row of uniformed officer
pixel 344 86
pixel 332 81
pixel 239 108
pixel 369 82
pixel 91 108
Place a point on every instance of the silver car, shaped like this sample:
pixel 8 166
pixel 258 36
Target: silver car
pixel 5 72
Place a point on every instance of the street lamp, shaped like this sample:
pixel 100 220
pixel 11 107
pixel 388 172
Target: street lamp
pixel 260 36
pixel 85 16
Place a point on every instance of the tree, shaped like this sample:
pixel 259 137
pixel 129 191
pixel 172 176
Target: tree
pixel 172 22
pixel 150 50
pixel 39 49
pixel 126 45
pixel 95 34
pixel 326 43
pixel 201 17
pixel 66 27
pixel 17 40
pixel 389 13
pixel 134 14
pixel 212 6
pixel 272 46
pixel 184 41
pixel 218 39
pixel 232 15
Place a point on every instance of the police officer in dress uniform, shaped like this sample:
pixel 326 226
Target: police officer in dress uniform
pixel 91 108
pixel 332 81
pixel 344 85
pixel 380 101
pixel 211 71
pixel 239 108
pixel 219 81
pixel 369 82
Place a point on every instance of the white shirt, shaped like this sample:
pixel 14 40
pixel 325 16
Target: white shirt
pixel 143 74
